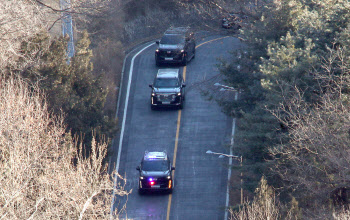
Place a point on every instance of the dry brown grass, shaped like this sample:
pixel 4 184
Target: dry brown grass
pixel 108 61
pixel 43 175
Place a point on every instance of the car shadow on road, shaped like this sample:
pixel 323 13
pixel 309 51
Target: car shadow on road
pixel 166 109
pixel 155 193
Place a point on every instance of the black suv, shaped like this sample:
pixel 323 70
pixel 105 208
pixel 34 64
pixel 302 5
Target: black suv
pixel 155 172
pixel 168 89
pixel 176 46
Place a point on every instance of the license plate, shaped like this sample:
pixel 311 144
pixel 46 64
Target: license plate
pixel 166 103
pixel 155 186
pixel 168 58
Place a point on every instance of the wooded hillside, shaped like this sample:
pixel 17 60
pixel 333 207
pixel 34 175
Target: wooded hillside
pixel 293 113
pixel 294 109
pixel 54 128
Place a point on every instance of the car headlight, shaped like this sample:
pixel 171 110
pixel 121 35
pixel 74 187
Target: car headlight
pixel 169 177
pixel 141 177
pixel 153 94
pixel 157 50
pixel 182 51
pixel 178 94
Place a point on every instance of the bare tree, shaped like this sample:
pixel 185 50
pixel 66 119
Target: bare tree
pixel 344 213
pixel 19 20
pixel 264 206
pixel 315 162
pixel 44 172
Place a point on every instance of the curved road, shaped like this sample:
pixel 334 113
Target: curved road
pixel 200 179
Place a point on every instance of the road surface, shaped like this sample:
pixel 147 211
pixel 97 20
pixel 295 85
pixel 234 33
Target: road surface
pixel 200 178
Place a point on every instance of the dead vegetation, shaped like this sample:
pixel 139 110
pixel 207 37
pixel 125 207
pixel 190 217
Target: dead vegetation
pixel 43 175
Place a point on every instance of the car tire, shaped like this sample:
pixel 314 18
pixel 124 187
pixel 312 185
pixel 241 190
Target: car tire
pixel 181 106
pixel 157 63
pixel 141 192
pixel 184 61
pixel 194 54
pixel 153 107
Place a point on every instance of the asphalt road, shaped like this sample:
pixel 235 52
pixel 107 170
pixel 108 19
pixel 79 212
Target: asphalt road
pixel 200 179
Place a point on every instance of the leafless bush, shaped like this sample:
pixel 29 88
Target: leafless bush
pixel 264 205
pixel 20 20
pixel 344 213
pixel 86 12
pixel 147 26
pixel 43 175
pixel 108 62
pixel 23 19
pixel 153 17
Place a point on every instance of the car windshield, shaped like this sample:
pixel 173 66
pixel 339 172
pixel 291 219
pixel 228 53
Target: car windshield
pixel 166 82
pixel 155 165
pixel 172 39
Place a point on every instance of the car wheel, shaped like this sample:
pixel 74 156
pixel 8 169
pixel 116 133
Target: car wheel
pixel 194 54
pixel 153 107
pixel 184 61
pixel 181 106
pixel 141 191
pixel 157 63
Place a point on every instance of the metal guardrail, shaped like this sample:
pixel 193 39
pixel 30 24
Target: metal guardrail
pixel 67 26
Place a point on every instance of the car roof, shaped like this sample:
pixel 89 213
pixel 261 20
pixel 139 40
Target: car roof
pixel 155 155
pixel 168 73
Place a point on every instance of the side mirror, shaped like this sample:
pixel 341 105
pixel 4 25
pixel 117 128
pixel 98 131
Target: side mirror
pixel 172 168
pixel 138 168
pixel 157 42
pixel 150 85
pixel 183 85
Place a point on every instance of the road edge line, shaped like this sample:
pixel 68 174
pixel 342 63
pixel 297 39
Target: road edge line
pixel 123 124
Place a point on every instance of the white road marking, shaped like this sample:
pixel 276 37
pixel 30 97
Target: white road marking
pixel 123 126
pixel 229 170
pixel 123 123
pixel 193 166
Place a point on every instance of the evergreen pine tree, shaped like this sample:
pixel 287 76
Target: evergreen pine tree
pixel 71 88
